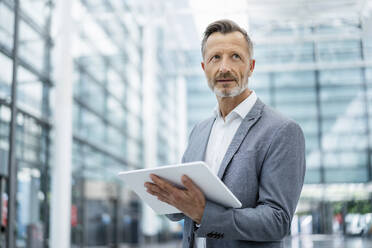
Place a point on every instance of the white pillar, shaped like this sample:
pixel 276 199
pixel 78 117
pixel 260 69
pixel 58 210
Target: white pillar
pixel 150 223
pixel 61 166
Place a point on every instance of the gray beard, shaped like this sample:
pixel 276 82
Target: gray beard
pixel 236 91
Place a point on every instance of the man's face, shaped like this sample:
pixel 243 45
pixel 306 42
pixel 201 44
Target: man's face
pixel 227 64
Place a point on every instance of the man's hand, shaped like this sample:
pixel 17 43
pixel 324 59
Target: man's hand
pixel 190 201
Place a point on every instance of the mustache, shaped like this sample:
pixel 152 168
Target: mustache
pixel 227 75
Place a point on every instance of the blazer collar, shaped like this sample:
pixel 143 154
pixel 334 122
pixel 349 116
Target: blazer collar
pixel 200 147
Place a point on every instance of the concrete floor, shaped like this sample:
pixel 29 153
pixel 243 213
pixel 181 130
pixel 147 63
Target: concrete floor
pixel 327 241
pixel 303 241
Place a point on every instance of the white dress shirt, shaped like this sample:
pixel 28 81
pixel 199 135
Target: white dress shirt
pixel 220 138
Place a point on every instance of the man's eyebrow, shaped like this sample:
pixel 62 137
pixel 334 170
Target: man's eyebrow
pixel 209 54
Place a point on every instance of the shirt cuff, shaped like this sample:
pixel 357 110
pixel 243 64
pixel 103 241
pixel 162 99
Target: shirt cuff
pixel 196 226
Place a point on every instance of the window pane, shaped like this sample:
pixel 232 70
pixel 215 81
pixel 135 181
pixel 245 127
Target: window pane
pixel 6 73
pixel 30 91
pixel 6 26
pixel 31 46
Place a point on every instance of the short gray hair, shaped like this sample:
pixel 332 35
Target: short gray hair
pixel 225 26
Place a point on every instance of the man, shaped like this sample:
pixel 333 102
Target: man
pixel 258 153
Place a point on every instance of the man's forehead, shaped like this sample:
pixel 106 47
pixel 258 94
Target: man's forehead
pixel 234 39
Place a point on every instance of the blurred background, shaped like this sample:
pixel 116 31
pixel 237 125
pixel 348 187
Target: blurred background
pixel 89 88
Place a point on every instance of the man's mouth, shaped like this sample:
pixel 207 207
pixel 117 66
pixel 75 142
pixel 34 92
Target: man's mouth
pixel 225 80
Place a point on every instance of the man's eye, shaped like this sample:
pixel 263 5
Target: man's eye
pixel 215 57
pixel 236 56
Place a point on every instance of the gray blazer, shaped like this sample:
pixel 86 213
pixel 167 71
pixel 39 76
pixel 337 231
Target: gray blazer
pixel 264 167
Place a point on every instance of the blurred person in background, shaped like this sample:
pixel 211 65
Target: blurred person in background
pixel 258 153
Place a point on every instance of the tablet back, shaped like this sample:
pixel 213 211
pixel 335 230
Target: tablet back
pixel 212 187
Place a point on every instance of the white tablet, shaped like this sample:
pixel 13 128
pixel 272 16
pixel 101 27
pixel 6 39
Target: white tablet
pixel 213 188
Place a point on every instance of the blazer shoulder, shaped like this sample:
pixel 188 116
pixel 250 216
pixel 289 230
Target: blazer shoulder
pixel 275 120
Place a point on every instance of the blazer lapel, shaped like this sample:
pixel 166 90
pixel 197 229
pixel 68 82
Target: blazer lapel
pixel 201 141
pixel 250 119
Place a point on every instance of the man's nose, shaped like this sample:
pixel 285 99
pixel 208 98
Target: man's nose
pixel 224 67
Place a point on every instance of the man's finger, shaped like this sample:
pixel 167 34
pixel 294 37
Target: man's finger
pixel 189 184
pixel 163 199
pixel 164 185
pixel 153 188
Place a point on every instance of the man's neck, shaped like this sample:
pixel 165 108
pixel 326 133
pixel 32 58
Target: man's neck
pixel 227 104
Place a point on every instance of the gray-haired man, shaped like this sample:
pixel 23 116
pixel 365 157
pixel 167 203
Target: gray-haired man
pixel 258 153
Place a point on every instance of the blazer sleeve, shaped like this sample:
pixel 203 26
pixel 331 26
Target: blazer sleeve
pixel 280 184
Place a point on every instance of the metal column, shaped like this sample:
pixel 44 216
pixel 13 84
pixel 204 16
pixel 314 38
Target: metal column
pixel 12 166
pixel 365 98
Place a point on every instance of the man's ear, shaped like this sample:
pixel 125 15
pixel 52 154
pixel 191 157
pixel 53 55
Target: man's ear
pixel 252 63
pixel 202 65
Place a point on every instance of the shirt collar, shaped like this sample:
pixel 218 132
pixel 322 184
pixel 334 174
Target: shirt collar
pixel 242 109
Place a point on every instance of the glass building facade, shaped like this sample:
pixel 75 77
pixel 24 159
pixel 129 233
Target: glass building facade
pixel 107 123
pixel 32 122
pixel 322 81
pixel 108 120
